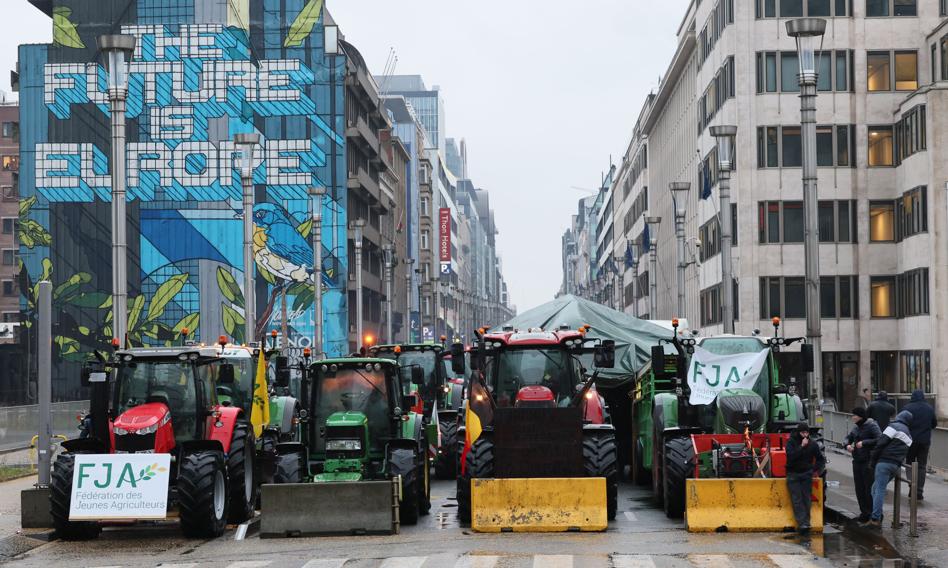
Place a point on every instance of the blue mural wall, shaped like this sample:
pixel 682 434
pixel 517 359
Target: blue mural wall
pixel 202 72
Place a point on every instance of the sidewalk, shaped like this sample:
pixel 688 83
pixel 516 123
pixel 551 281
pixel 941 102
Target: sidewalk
pixel 929 547
pixel 13 539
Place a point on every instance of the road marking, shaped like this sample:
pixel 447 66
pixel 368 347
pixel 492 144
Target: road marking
pixel 553 561
pixel 326 563
pixel 250 564
pixel 188 565
pixel 629 515
pixel 477 561
pixel 710 561
pixel 404 562
pixel 632 561
pixel 791 561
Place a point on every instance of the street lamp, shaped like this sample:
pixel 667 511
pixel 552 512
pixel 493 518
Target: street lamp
pixel 117 50
pixel 408 262
pixel 356 227
pixel 724 136
pixel 808 33
pixel 246 143
pixel 444 307
pixel 653 223
pixel 316 194
pixel 680 191
pixel 388 258
pixel 618 261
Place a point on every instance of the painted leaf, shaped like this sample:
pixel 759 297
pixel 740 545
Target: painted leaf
pixel 168 290
pixel 26 205
pixel 35 233
pixel 297 288
pixel 232 320
pixel 64 31
pixel 305 227
pixel 27 240
pixel 229 287
pixel 47 269
pixel 190 321
pixel 135 312
pixel 304 300
pixel 67 345
pixel 100 300
pixel 303 25
pixel 68 288
pixel 267 275
pixel 83 330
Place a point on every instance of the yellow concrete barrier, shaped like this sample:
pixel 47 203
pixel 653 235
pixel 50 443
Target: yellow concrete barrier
pixel 745 505
pixel 539 504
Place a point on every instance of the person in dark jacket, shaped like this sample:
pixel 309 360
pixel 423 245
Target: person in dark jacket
pixel 805 460
pixel 923 422
pixel 887 457
pixel 881 410
pixel 859 442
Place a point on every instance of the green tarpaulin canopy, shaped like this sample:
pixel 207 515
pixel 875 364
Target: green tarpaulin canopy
pixel 634 337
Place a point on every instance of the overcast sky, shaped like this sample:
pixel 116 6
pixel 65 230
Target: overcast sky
pixel 544 93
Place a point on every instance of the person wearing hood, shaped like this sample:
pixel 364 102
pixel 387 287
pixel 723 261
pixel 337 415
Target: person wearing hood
pixel 887 457
pixel 923 422
pixel 805 460
pixel 881 410
pixel 859 442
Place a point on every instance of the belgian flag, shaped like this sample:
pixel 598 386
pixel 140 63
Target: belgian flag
pixel 480 411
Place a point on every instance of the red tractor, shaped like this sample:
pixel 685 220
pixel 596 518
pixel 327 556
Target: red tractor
pixel 164 401
pixel 531 411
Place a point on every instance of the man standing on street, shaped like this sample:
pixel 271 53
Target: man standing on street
pixel 923 421
pixel 805 460
pixel 887 458
pixel 860 441
pixel 881 410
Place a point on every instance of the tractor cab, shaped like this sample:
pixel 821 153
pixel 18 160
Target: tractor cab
pixel 240 392
pixel 427 358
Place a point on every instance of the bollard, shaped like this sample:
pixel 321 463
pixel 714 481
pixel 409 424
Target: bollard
pixel 897 501
pixel 44 378
pixel 913 501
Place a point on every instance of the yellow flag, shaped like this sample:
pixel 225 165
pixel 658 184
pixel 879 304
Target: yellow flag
pixel 260 412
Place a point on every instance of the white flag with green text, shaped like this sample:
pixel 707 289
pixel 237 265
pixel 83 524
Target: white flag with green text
pixel 710 373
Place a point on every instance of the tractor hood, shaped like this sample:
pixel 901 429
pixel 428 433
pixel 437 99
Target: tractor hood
pixel 145 418
pixel 736 406
pixel 348 418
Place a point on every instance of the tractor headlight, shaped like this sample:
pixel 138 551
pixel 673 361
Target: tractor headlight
pixel 344 445
pixel 119 431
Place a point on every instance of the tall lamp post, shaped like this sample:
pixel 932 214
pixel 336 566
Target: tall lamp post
pixel 653 223
pixel 635 287
pixel 357 226
pixel 808 33
pixel 388 257
pixel 618 261
pixel 724 136
pixel 408 262
pixel 245 144
pixel 317 193
pixel 680 190
pixel 117 50
pixel 444 307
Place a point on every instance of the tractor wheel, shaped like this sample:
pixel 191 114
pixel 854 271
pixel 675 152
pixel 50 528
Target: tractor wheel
pixel 289 468
pixel 60 495
pixel 203 494
pixel 479 464
pixel 599 459
pixel 679 453
pixel 411 502
pixel 240 469
pixel 424 485
pixel 640 475
pixel 446 462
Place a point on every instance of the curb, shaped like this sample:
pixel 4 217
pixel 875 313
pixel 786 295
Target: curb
pixel 21 543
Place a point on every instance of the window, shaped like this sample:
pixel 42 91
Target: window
pixel 839 297
pixel 881 221
pixel 10 225
pixel 8 193
pixel 9 288
pixel 789 71
pixel 783 297
pixel 914 371
pixel 11 130
pixel 9 257
pixel 880 146
pixel 882 296
pixel 721 16
pixel 835 221
pixel 712 308
pixel 710 235
pixel 912 288
pixel 877 8
pixel 934 60
pixel 425 238
pixel 834 146
pixel 905 8
pixel 833 69
pixel 910 133
pixel 881 74
pixel 425 206
pixel 11 163
pixel 882 8
pixel 944 8
pixel 944 56
pixel 721 88
pixel 878 74
pixel 906 70
pixel 911 213
pixel 11 317
pixel 798 8
pixel 776 218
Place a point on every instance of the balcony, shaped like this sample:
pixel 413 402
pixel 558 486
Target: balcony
pixel 361 180
pixel 359 133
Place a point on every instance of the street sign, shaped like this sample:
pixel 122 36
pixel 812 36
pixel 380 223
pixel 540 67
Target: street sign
pixel 120 486
pixel 445 268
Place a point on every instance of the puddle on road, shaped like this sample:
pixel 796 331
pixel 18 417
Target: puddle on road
pixel 856 548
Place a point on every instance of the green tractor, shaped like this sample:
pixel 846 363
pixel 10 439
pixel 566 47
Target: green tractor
pixel 363 460
pixel 674 440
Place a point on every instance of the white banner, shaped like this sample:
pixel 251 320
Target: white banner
pixel 120 486
pixel 709 373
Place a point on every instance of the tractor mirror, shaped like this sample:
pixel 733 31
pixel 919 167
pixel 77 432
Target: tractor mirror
pixel 605 355
pixel 457 358
pixel 225 375
pixel 417 376
pixel 806 357
pixel 476 359
pixel 282 378
pixel 658 359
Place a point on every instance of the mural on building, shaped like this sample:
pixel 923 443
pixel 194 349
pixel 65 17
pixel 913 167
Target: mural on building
pixel 201 73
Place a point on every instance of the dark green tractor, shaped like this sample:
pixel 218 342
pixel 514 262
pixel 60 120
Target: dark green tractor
pixel 363 466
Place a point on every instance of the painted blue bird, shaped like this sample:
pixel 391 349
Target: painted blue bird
pixel 278 247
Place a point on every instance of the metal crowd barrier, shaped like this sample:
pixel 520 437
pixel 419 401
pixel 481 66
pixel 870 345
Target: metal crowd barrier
pixel 836 425
pixel 18 424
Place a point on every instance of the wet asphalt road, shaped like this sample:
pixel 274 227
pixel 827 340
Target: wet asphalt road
pixel 641 537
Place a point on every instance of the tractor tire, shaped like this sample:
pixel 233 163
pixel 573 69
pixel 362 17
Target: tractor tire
pixel 60 495
pixel 240 472
pixel 600 458
pixel 203 494
pixel 446 462
pixel 424 488
pixel 408 511
pixel 678 467
pixel 640 475
pixel 289 468
pixel 479 464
